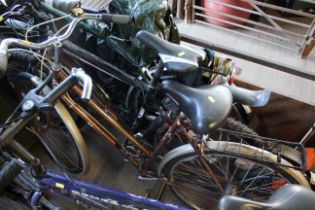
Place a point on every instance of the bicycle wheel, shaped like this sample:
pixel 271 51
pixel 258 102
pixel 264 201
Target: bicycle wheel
pixel 7 203
pixel 57 132
pixel 235 170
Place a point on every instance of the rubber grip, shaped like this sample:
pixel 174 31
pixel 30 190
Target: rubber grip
pixel 9 171
pixel 119 19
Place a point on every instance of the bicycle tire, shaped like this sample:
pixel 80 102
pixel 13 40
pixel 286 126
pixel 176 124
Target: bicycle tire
pixel 290 154
pixel 244 154
pixel 236 125
pixel 7 203
pixel 70 138
pixel 231 124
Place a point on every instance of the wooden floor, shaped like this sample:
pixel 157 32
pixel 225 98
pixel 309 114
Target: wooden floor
pixel 279 82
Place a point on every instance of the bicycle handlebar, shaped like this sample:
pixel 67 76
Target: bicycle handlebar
pixel 87 83
pixel 77 74
pixel 119 19
pixel 7 136
pixel 6 43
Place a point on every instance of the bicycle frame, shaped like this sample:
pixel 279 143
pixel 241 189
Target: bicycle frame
pixel 150 155
pixel 96 196
pixel 108 116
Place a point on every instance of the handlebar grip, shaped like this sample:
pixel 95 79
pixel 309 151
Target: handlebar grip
pixel 9 171
pixel 119 19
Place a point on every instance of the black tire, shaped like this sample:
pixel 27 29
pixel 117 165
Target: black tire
pixel 235 125
pixel 193 185
pixel 57 133
pixel 7 203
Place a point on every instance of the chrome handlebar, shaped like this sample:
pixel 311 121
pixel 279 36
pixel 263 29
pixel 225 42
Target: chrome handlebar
pixel 6 43
pixel 77 74
pixel 87 83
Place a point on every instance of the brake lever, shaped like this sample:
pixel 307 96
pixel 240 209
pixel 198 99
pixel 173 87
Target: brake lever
pixel 12 12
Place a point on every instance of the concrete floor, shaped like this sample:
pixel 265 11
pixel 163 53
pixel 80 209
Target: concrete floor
pixel 108 168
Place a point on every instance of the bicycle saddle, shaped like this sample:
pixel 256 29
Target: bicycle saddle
pixel 175 58
pixel 288 197
pixel 206 107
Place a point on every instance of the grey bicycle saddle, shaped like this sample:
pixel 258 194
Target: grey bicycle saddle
pixel 174 57
pixel 206 107
pixel 288 197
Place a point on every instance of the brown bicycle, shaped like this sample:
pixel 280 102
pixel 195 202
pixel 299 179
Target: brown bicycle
pixel 198 167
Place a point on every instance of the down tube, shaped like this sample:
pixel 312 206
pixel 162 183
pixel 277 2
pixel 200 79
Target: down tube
pixel 94 195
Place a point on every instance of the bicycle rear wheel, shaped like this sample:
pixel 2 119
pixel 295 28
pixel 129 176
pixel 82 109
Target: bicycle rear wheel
pixel 235 170
pixel 57 132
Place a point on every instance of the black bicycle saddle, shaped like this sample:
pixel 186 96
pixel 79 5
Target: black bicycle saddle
pixel 174 57
pixel 206 107
pixel 288 197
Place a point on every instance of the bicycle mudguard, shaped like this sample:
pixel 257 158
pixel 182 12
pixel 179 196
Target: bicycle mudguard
pixel 233 147
pixel 253 98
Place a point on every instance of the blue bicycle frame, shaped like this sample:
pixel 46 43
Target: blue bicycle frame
pixel 92 195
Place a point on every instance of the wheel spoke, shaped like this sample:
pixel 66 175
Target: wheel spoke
pixel 264 176
pixel 251 183
pixel 246 174
pixel 220 168
pixel 241 176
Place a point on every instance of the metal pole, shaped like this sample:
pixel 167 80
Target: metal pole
pixel 309 134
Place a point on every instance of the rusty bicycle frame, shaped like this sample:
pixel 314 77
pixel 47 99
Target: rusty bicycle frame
pixel 108 115
pixel 150 156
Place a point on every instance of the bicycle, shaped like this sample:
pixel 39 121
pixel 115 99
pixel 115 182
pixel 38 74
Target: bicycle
pixel 155 163
pixel 134 93
pixel 15 163
pixel 100 61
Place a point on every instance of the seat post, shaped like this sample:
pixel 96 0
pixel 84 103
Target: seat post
pixel 157 75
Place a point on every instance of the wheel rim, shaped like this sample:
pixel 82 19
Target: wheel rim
pixel 59 143
pixel 240 177
pixel 53 134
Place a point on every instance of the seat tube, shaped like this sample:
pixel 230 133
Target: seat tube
pixel 164 141
pixel 157 75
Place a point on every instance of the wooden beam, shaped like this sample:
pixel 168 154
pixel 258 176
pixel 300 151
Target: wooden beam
pixel 188 11
pixel 308 49
pixel 180 7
